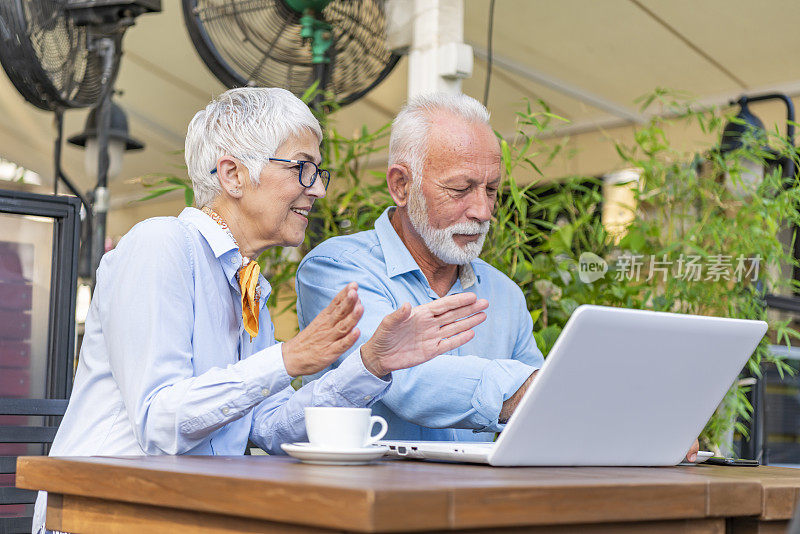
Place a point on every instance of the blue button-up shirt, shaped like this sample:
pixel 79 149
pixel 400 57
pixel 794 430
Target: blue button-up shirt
pixel 456 396
pixel 166 366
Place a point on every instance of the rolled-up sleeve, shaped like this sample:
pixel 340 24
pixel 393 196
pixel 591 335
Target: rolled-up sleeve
pixel 146 313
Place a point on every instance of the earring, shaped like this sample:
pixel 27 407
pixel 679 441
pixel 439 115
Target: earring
pixel 235 191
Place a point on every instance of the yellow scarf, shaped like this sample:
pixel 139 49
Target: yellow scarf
pixel 248 282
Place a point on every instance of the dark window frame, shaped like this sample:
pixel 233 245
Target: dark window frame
pixel 65 213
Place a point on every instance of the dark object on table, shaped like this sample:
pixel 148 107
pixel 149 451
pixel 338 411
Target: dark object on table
pixel 738 462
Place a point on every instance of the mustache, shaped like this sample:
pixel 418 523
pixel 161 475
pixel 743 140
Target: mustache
pixel 469 228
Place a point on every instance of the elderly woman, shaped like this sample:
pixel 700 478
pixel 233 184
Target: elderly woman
pixel 179 355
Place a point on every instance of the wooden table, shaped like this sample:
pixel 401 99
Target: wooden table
pixel 278 494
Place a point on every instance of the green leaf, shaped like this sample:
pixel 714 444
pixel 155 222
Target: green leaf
pixel 311 92
pixel 158 193
pixel 506 156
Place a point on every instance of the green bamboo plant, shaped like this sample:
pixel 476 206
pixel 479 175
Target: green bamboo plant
pixel 688 208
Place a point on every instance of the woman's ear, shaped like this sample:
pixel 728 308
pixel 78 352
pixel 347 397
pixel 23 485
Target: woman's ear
pixel 398 178
pixel 232 175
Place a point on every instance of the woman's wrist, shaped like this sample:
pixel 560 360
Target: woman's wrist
pixel 290 360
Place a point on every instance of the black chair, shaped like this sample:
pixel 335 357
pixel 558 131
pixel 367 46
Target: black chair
pixel 51 410
pixel 36 357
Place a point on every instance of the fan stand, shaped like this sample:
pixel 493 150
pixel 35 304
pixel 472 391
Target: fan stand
pixel 105 39
pixel 320 34
pixel 106 26
pixel 96 209
pixel 105 47
pixel 88 218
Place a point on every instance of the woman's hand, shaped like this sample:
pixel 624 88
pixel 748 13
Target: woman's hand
pixel 331 333
pixel 409 337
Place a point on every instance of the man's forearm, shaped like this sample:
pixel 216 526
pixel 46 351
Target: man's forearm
pixel 510 404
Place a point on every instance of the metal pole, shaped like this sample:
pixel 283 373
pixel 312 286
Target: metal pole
pixel 101 198
pixel 86 253
pixel 321 73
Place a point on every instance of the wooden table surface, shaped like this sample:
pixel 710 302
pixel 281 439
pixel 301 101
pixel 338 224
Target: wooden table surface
pixel 279 494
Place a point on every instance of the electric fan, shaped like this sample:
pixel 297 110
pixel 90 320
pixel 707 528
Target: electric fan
pixel 63 54
pixel 54 50
pixel 339 44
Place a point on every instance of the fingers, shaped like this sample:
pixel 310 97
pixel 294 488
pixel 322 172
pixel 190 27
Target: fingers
pixel 342 322
pixel 463 311
pixel 691 456
pixel 446 345
pixel 321 358
pixel 342 304
pixel 346 323
pixel 398 316
pixel 450 302
pixel 457 327
pixel 340 346
pixel 342 295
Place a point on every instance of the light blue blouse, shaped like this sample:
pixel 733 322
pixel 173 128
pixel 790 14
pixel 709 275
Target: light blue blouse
pixel 166 366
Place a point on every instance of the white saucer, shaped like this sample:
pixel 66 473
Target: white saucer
pixel 324 456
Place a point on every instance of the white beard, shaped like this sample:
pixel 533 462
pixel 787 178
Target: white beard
pixel 441 242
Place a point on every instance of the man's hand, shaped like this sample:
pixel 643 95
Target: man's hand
pixel 510 404
pixel 691 456
pixel 411 336
pixel 331 333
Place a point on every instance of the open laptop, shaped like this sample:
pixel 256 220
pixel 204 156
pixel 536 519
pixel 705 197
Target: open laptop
pixel 620 387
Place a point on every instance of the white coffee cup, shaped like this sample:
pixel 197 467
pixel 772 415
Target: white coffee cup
pixel 343 428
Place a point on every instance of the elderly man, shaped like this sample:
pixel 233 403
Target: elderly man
pixel 444 172
pixel 179 355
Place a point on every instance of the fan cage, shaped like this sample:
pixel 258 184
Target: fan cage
pixel 47 57
pixel 258 43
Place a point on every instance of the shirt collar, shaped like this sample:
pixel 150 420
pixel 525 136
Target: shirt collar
pixel 224 248
pixel 400 261
pixel 395 254
pixel 217 238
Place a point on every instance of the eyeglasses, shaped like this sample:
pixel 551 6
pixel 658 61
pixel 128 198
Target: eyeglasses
pixel 307 172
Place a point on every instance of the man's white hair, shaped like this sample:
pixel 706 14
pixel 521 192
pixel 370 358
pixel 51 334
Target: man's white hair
pixel 249 123
pixel 408 142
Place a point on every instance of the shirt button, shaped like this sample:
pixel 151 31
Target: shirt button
pixel 233 261
pixel 368 398
pixel 265 392
pixel 225 410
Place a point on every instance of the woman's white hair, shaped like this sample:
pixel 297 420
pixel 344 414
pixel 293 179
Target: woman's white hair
pixel 249 123
pixel 408 142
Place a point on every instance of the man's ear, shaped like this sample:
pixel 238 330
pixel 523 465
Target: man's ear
pixel 398 178
pixel 232 176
